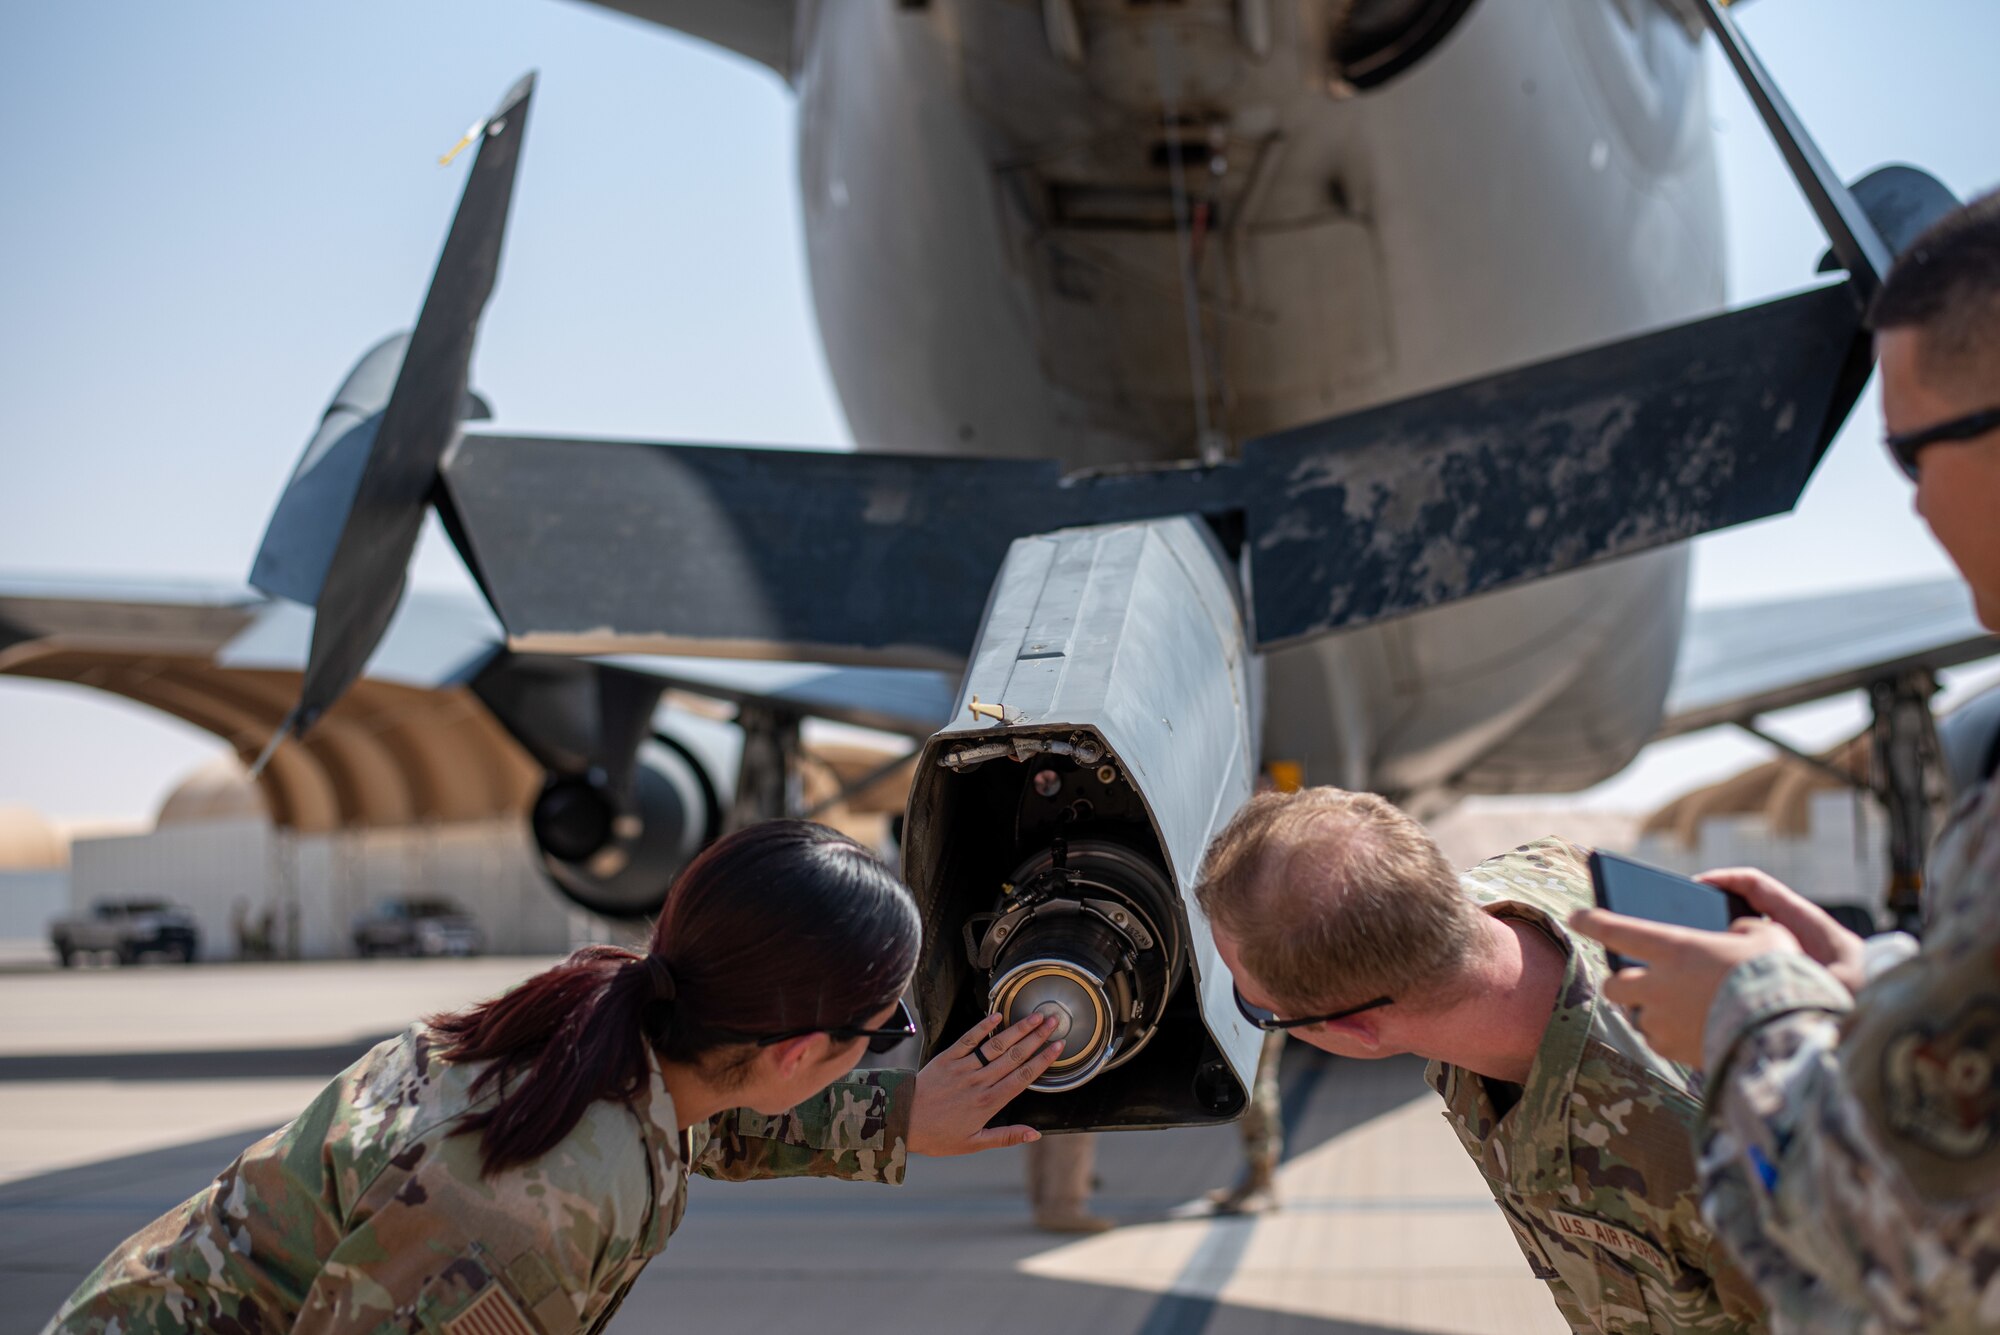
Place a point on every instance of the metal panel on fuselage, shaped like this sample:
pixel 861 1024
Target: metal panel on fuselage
pixel 992 275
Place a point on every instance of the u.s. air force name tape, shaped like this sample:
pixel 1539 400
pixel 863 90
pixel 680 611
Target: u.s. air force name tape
pixel 1621 1240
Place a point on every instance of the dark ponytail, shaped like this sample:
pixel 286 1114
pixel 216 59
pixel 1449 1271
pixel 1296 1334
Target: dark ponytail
pixel 784 925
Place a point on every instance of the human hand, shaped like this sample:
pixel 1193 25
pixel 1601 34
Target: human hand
pixel 1822 938
pixel 957 1094
pixel 1669 996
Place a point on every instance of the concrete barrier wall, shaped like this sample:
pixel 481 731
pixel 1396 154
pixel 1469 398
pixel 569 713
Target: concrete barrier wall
pixel 207 868
pixel 1844 859
pixel 244 880
pixel 30 901
pixel 488 869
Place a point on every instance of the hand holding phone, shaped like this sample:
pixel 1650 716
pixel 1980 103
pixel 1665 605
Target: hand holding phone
pixel 1639 891
pixel 1843 953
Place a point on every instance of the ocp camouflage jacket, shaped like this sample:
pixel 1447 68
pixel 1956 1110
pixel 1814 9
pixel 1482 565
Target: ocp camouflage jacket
pixel 1593 1166
pixel 367 1213
pixel 1852 1147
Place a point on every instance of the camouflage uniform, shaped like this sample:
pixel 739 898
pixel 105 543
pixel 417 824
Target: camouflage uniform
pixel 367 1214
pixel 1061 1171
pixel 1852 1160
pixel 1593 1165
pixel 1263 1125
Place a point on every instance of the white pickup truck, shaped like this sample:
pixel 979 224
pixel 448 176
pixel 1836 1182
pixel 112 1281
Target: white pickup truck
pixel 130 929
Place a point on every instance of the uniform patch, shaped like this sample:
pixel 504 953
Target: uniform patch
pixel 1623 1241
pixel 491 1313
pixel 1938 1082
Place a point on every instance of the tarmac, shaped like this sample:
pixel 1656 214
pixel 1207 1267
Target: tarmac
pixel 123 1091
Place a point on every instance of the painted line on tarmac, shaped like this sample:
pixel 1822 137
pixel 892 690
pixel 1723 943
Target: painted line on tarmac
pixel 1189 1303
pixel 323 1061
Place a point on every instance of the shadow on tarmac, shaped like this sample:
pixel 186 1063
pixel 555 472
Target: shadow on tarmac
pixel 795 1255
pixel 219 1064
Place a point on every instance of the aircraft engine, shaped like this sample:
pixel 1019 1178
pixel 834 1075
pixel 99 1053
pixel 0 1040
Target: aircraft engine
pixel 1089 933
pixel 1054 835
pixel 618 859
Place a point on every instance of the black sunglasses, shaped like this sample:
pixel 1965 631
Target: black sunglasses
pixel 1903 449
pixel 902 1025
pixel 1269 1021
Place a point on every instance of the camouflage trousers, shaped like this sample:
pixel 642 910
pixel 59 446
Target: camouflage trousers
pixel 1263 1126
pixel 1059 1169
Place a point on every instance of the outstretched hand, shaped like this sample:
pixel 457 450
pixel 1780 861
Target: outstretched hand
pixel 1820 935
pixel 1669 997
pixel 957 1094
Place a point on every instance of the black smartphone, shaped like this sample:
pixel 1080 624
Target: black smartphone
pixel 1639 891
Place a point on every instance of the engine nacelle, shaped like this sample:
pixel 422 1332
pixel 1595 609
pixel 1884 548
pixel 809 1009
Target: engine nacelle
pixel 1053 836
pixel 617 860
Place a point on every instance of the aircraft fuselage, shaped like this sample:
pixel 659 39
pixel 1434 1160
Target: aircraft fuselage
pixel 1161 230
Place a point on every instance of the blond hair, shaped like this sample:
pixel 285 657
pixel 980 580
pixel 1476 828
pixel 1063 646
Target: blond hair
pixel 1335 898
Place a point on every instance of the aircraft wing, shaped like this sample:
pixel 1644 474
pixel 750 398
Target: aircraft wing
pixel 886 560
pixel 446 639
pixel 435 641
pixel 758 29
pixel 38 612
pixel 1739 662
pixel 907 701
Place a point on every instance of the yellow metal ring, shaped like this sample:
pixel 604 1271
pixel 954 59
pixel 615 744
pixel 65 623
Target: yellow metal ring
pixel 1102 1029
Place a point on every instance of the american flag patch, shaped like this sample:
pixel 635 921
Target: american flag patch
pixel 491 1313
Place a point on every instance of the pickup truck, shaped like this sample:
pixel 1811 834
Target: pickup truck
pixel 417 927
pixel 129 929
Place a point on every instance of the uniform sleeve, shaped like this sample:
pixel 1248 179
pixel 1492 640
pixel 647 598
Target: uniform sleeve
pixel 1535 1245
pixel 858 1129
pixel 1572 1311
pixel 235 1256
pixel 540 1249
pixel 1844 1161
pixel 1760 990
pixel 1567 1303
pixel 1739 1298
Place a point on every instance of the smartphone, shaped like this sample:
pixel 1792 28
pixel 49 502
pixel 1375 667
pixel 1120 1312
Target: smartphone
pixel 1639 891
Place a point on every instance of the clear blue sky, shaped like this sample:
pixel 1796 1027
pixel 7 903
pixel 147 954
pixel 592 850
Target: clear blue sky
pixel 212 208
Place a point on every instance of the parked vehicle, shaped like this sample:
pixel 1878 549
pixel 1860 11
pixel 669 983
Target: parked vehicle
pixel 130 929
pixel 417 927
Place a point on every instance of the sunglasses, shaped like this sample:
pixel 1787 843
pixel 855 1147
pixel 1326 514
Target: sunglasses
pixel 902 1025
pixel 1903 448
pixel 1269 1022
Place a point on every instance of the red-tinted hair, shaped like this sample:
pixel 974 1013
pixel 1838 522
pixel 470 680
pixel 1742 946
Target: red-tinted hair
pixel 784 925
